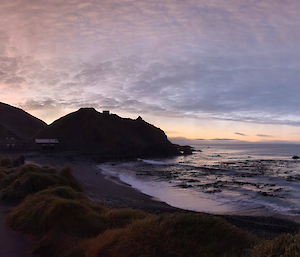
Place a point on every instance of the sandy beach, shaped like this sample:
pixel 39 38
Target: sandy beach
pixel 107 189
pixel 116 194
pixel 113 193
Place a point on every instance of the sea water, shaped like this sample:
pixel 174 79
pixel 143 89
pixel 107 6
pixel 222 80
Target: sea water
pixel 220 179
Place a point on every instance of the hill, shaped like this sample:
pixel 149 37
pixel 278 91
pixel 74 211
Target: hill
pixel 17 123
pixel 89 131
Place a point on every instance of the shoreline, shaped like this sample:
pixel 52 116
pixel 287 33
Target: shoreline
pixel 117 194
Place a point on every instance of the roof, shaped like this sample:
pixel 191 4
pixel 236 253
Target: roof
pixel 46 141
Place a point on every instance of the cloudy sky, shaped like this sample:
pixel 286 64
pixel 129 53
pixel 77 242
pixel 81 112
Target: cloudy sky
pixel 196 68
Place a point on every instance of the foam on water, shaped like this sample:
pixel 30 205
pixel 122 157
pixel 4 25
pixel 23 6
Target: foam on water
pixel 219 179
pixel 153 162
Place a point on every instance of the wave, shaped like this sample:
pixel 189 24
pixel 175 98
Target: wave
pixel 153 162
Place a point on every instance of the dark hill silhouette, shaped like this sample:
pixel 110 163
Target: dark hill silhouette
pixel 17 123
pixel 89 131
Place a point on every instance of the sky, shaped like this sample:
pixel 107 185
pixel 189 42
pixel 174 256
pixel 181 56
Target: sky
pixel 201 69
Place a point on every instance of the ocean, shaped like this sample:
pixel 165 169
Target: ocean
pixel 221 178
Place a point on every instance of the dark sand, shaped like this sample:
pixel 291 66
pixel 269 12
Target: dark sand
pixel 116 194
pixel 108 190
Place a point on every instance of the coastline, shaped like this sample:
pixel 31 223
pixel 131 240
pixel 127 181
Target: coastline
pixel 108 190
pixel 117 194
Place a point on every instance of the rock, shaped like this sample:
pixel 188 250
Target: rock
pixel 185 149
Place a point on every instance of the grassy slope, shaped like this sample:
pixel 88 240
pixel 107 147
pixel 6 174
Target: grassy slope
pixel 65 222
pixel 87 130
pixel 17 123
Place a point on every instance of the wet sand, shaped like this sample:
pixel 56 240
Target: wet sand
pixel 117 194
pixel 107 189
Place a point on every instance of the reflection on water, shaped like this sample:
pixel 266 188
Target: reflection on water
pixel 220 178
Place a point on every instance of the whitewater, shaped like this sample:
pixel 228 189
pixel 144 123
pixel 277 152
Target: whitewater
pixel 249 179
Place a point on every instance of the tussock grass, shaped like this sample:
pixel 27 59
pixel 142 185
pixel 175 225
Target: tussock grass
pixel 58 244
pixel 60 216
pixel 18 161
pixel 66 223
pixel 65 192
pixel 172 235
pixel 285 245
pixel 6 162
pixel 29 179
pixel 38 215
pixel 68 210
pixel 66 173
pixel 119 218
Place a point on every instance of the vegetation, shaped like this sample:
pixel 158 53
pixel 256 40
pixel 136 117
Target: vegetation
pixel 17 183
pixel 56 212
pixel 285 245
pixel 172 235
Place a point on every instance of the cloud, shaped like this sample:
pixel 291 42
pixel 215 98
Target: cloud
pixel 259 135
pixel 240 134
pixel 32 104
pixel 234 61
pixel 223 139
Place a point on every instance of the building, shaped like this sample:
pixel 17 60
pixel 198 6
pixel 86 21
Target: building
pixel 47 144
pixel 11 144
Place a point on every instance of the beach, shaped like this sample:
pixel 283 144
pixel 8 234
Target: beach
pixel 114 193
